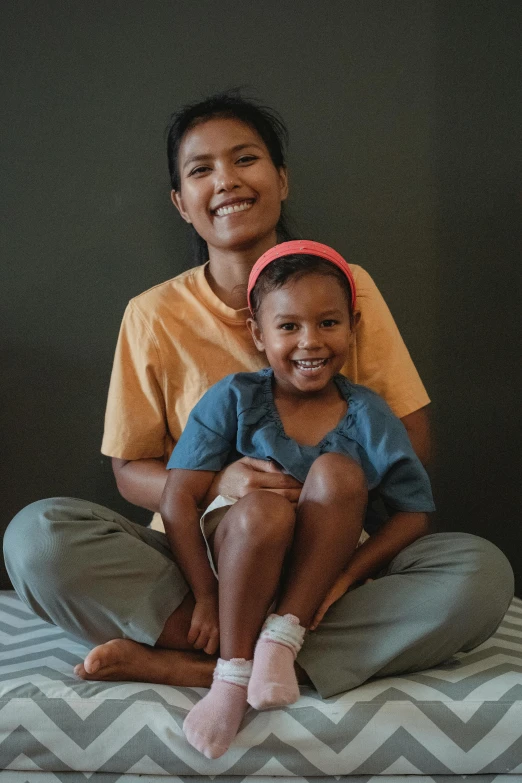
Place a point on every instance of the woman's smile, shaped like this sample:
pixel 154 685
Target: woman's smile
pixel 232 206
pixel 230 189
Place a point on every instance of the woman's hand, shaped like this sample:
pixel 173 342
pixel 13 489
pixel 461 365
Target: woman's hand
pixel 204 626
pixel 249 474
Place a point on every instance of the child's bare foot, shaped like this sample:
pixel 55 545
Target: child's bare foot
pixel 123 659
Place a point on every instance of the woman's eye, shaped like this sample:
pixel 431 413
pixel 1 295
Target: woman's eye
pixel 198 171
pixel 245 159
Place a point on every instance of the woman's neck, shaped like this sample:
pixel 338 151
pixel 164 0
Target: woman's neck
pixel 228 271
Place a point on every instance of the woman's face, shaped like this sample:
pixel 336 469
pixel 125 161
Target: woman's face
pixel 230 189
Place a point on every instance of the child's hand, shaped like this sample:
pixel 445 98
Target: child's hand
pixel 204 626
pixel 338 589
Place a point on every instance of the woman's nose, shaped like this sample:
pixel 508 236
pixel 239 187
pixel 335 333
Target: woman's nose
pixel 226 179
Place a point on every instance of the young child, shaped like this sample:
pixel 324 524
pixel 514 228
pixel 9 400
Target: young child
pixel 337 438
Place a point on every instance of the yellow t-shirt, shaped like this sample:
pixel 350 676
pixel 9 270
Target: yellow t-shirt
pixel 178 338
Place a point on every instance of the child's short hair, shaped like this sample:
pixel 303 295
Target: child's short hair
pixel 295 266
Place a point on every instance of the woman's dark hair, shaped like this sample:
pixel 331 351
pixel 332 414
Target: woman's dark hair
pixel 231 104
pixel 293 267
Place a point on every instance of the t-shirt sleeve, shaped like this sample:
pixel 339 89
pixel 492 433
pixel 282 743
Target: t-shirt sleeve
pixel 209 438
pixel 383 362
pixel 135 417
pixel 404 484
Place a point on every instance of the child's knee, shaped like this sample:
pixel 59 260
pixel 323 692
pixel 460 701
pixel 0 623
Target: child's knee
pixel 339 476
pixel 265 518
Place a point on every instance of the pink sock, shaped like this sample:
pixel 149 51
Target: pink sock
pixel 213 722
pixel 273 682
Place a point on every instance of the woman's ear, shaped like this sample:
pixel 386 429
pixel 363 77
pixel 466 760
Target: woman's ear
pixel 283 182
pixel 257 335
pixel 175 197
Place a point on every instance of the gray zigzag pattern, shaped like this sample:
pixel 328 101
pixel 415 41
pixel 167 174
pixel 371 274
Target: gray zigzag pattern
pixel 508 760
pixel 61 642
pixel 15 631
pixel 22 741
pixel 466 734
pixel 17 611
pixel 146 742
pixel 274 748
pixel 401 743
pixel 103 777
pixel 335 736
pixel 458 691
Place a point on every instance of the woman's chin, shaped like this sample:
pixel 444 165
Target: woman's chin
pixel 245 241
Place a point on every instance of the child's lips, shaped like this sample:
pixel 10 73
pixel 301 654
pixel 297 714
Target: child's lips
pixel 310 366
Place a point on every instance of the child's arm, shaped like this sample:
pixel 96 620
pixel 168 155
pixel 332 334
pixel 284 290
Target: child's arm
pixel 400 530
pixel 183 493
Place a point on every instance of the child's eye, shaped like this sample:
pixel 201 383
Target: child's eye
pixel 328 322
pixel 288 327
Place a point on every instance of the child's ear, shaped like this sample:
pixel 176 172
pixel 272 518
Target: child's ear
pixel 256 333
pixel 356 319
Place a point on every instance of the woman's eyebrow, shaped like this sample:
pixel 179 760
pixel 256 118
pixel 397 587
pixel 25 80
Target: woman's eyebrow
pixel 206 155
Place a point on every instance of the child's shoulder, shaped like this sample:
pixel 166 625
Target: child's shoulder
pixel 366 403
pixel 240 385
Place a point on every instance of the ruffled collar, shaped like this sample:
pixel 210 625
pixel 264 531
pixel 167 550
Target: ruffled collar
pixel 342 383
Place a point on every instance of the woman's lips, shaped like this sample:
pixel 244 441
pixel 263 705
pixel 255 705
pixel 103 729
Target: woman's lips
pixel 229 209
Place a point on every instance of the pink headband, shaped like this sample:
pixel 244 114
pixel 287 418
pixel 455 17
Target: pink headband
pixel 299 247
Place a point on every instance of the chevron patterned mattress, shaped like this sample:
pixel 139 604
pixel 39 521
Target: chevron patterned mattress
pixel 464 718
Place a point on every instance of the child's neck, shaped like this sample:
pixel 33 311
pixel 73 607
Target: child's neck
pixel 307 418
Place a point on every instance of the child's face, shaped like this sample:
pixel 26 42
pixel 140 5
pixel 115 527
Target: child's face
pixel 304 328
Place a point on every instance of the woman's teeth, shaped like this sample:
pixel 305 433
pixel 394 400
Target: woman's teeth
pixel 233 208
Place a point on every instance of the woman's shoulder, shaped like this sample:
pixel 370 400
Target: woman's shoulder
pixel 167 295
pixel 364 282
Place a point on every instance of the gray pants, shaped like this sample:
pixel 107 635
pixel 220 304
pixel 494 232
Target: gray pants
pixel 98 576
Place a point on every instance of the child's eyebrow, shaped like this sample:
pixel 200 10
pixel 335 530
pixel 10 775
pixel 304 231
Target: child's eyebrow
pixel 294 316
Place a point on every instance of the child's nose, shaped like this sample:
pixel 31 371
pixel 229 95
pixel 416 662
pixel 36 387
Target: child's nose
pixel 309 338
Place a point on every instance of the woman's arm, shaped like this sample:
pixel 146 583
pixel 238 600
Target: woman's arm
pixel 381 361
pixel 142 481
pixel 418 428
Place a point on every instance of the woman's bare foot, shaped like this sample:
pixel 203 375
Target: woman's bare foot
pixel 123 660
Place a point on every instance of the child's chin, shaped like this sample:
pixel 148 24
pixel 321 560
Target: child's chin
pixel 311 384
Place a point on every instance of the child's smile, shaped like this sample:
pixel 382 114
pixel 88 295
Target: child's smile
pixel 304 328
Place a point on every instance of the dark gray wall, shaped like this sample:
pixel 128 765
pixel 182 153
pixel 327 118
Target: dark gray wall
pixel 404 121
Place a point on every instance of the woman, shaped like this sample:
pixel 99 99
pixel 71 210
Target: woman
pixel 114 583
